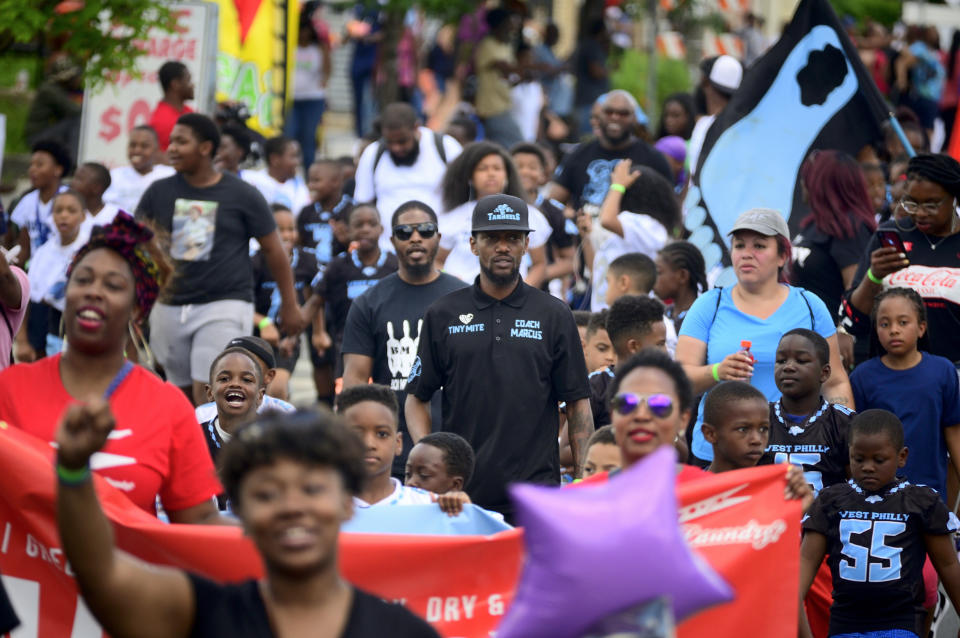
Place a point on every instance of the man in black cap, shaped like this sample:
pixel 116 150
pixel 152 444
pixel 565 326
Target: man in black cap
pixel 505 355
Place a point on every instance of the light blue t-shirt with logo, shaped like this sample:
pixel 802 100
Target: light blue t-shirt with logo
pixel 722 327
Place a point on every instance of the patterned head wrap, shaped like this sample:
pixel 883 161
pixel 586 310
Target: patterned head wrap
pixel 127 238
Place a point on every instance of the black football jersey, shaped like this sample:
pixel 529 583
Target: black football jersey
pixel 820 444
pixel 876 552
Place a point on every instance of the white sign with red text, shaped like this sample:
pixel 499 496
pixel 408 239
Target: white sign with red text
pixel 125 101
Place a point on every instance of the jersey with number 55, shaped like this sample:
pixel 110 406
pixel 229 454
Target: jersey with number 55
pixel 876 552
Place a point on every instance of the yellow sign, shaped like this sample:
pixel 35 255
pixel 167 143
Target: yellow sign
pixel 255 61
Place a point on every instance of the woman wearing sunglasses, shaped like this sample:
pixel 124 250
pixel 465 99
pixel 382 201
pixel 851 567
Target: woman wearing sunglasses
pixel 650 400
pixel 484 169
pixel 918 248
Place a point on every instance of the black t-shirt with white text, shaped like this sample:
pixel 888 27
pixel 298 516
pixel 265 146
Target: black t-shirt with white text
pixel 818 443
pixel 237 610
pixel 316 233
pixel 877 551
pixel 210 230
pixel 818 260
pixel 384 324
pixel 343 280
pixel 585 173
pixel 504 366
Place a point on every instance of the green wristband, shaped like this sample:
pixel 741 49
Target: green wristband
pixel 620 188
pixel 266 321
pixel 873 277
pixel 716 372
pixel 66 476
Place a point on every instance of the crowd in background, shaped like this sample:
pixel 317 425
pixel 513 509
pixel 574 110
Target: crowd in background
pixel 469 291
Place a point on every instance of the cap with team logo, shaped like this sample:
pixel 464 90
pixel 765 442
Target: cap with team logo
pixel 500 212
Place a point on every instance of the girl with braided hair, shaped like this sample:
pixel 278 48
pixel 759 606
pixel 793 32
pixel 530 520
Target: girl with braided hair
pixel 681 278
pixel 929 262
pixel 158 448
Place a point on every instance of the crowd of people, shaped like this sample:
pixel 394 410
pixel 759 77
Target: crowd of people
pixel 482 305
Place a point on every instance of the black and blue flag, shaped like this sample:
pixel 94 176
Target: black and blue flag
pixel 809 91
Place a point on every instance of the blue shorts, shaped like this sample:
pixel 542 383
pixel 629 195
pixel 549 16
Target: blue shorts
pixel 882 633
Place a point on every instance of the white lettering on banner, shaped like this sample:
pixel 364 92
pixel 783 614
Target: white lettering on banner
pixel 6 538
pixel 930 283
pixel 450 608
pixel 713 504
pixel 25 598
pixel 753 533
pixel 52 555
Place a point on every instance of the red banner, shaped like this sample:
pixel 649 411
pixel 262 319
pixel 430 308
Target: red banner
pixel 738 521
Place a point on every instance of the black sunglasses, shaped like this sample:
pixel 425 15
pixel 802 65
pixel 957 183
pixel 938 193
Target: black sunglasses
pixel 660 405
pixel 403 232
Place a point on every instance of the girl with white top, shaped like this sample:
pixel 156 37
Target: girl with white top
pixel 48 266
pixel 311 73
pixel 484 169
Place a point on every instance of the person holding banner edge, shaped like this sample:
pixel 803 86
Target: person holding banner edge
pixel 291 481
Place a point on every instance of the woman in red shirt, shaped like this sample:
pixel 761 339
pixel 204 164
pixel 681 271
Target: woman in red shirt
pixel 157 448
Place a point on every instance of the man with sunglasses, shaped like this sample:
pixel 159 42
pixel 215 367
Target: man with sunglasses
pixel 383 326
pixel 505 355
pixel 584 176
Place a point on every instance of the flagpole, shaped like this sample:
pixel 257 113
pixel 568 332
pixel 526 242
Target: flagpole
pixel 903 136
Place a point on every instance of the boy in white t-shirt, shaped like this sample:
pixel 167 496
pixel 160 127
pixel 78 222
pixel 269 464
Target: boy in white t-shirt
pixel 49 163
pixel 128 183
pixel 279 183
pixel 92 180
pixel 371 411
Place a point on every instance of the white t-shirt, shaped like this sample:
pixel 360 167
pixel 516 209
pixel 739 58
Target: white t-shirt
pixel 207 411
pixel 127 185
pixel 401 495
pixel 641 234
pixel 307 70
pixel 697 138
pixel 455 229
pixel 48 267
pixel 527 104
pixel 292 193
pixel 106 215
pixel 36 217
pixel 391 185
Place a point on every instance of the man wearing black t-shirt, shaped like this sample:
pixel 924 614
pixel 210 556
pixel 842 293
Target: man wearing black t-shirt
pixel 584 176
pixel 505 355
pixel 211 217
pixel 382 333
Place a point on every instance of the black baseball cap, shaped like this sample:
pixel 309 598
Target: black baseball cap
pixel 255 346
pixel 501 212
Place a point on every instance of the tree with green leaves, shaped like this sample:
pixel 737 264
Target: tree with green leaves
pixel 394 12
pixel 100 35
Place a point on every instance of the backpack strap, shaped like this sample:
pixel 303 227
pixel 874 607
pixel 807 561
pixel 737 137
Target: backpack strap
pixel 716 308
pixel 437 140
pixel 813 323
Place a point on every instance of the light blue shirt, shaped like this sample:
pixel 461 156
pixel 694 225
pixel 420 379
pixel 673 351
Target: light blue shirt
pixel 722 327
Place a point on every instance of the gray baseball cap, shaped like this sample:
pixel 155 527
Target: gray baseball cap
pixel 501 212
pixel 765 221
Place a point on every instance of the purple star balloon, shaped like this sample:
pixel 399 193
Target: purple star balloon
pixel 594 551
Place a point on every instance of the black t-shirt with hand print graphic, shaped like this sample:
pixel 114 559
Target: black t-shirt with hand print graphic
pixel 384 324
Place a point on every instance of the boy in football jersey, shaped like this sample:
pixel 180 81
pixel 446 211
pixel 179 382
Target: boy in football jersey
pixel 736 422
pixel 877 530
pixel 806 429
